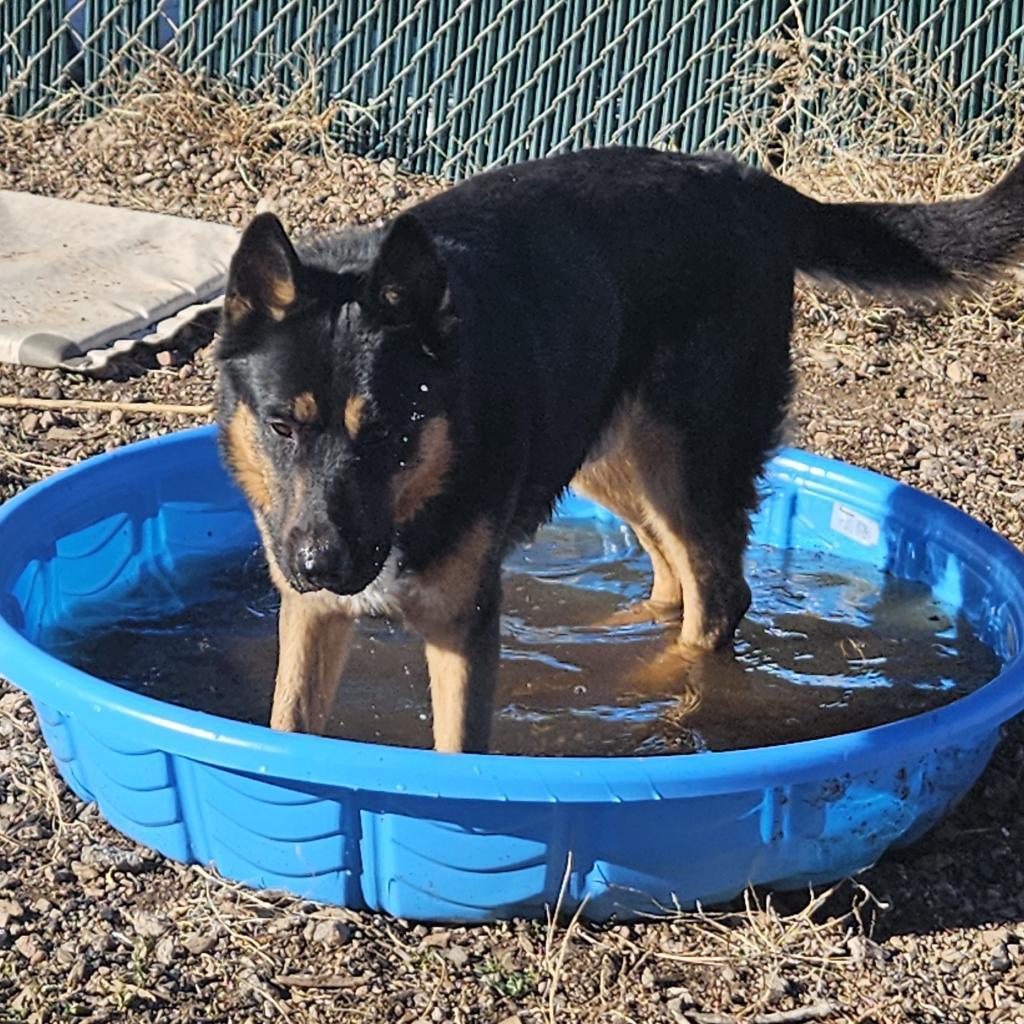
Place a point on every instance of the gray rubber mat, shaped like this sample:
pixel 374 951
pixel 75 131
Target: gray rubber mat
pixel 81 284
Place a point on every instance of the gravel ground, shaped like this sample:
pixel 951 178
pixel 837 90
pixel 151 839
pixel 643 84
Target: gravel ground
pixel 95 928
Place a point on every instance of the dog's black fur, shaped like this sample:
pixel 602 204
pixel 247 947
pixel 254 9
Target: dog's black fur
pixel 617 316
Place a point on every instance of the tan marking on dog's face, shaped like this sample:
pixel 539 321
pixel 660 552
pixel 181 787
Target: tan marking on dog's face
pixel 236 308
pixel 252 468
pixel 304 407
pixel 282 291
pixel 279 297
pixel 354 409
pixel 424 479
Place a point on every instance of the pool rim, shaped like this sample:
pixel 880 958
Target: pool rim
pixel 359 765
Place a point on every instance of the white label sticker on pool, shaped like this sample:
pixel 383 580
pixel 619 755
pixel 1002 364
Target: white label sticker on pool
pixel 854 525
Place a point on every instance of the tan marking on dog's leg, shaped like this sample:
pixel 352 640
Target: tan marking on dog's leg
pixel 252 469
pixel 462 682
pixel 455 606
pixel 424 478
pixel 612 480
pixel 313 645
pixel 314 639
pixel 304 407
pixel 705 553
pixel 354 409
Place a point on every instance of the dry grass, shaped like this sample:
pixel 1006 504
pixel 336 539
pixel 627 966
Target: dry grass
pixel 850 123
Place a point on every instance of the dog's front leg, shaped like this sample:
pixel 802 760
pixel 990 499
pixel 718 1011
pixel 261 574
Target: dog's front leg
pixel 463 668
pixel 455 605
pixel 314 639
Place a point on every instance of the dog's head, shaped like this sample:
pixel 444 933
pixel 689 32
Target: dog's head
pixel 334 396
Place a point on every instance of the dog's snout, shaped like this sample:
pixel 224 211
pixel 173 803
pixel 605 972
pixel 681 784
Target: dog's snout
pixel 321 559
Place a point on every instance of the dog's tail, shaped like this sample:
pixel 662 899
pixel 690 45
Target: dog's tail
pixel 915 248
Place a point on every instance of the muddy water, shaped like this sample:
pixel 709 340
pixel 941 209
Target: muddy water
pixel 828 647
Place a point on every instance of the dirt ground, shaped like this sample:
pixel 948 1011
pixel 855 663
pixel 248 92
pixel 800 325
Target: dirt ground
pixel 94 928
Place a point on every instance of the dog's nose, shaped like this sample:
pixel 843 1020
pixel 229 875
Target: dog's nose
pixel 322 560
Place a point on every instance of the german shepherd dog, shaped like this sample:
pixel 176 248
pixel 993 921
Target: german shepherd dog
pixel 402 405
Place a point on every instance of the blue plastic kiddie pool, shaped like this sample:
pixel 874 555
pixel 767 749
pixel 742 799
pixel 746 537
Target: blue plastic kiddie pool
pixel 472 837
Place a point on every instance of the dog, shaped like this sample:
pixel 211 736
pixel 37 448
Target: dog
pixel 403 405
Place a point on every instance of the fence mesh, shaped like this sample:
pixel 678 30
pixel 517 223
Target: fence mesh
pixel 452 86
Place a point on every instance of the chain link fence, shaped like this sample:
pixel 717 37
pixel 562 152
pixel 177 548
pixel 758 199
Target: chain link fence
pixel 452 86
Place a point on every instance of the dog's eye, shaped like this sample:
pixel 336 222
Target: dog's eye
pixel 282 428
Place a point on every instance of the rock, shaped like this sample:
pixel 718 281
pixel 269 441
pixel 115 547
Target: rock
pixel 331 934
pixel 436 940
pixel 28 946
pixel 116 858
pixel 999 960
pixel 116 417
pixel 224 177
pixel 675 1009
pixel 826 360
pixel 958 372
pixel 863 949
pixel 165 357
pixel 30 422
pixel 165 950
pixel 457 956
pixel 10 910
pixel 199 944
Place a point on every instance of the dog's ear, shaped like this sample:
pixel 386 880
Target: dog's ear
pixel 264 272
pixel 407 283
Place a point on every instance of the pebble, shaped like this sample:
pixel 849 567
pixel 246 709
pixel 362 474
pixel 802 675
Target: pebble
pixel 825 359
pixel 30 422
pixel 165 357
pixel 165 949
pixel 458 956
pixel 151 926
pixel 958 372
pixel 28 946
pixel 199 944
pixel 119 858
pixel 10 910
pixel 999 960
pixel 330 934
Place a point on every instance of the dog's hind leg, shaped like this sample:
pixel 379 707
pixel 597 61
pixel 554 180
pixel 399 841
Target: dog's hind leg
pixel 699 525
pixel 611 480
pixel 713 407
pixel 705 541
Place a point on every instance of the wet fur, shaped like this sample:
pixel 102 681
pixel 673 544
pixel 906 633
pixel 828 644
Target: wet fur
pixel 621 317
